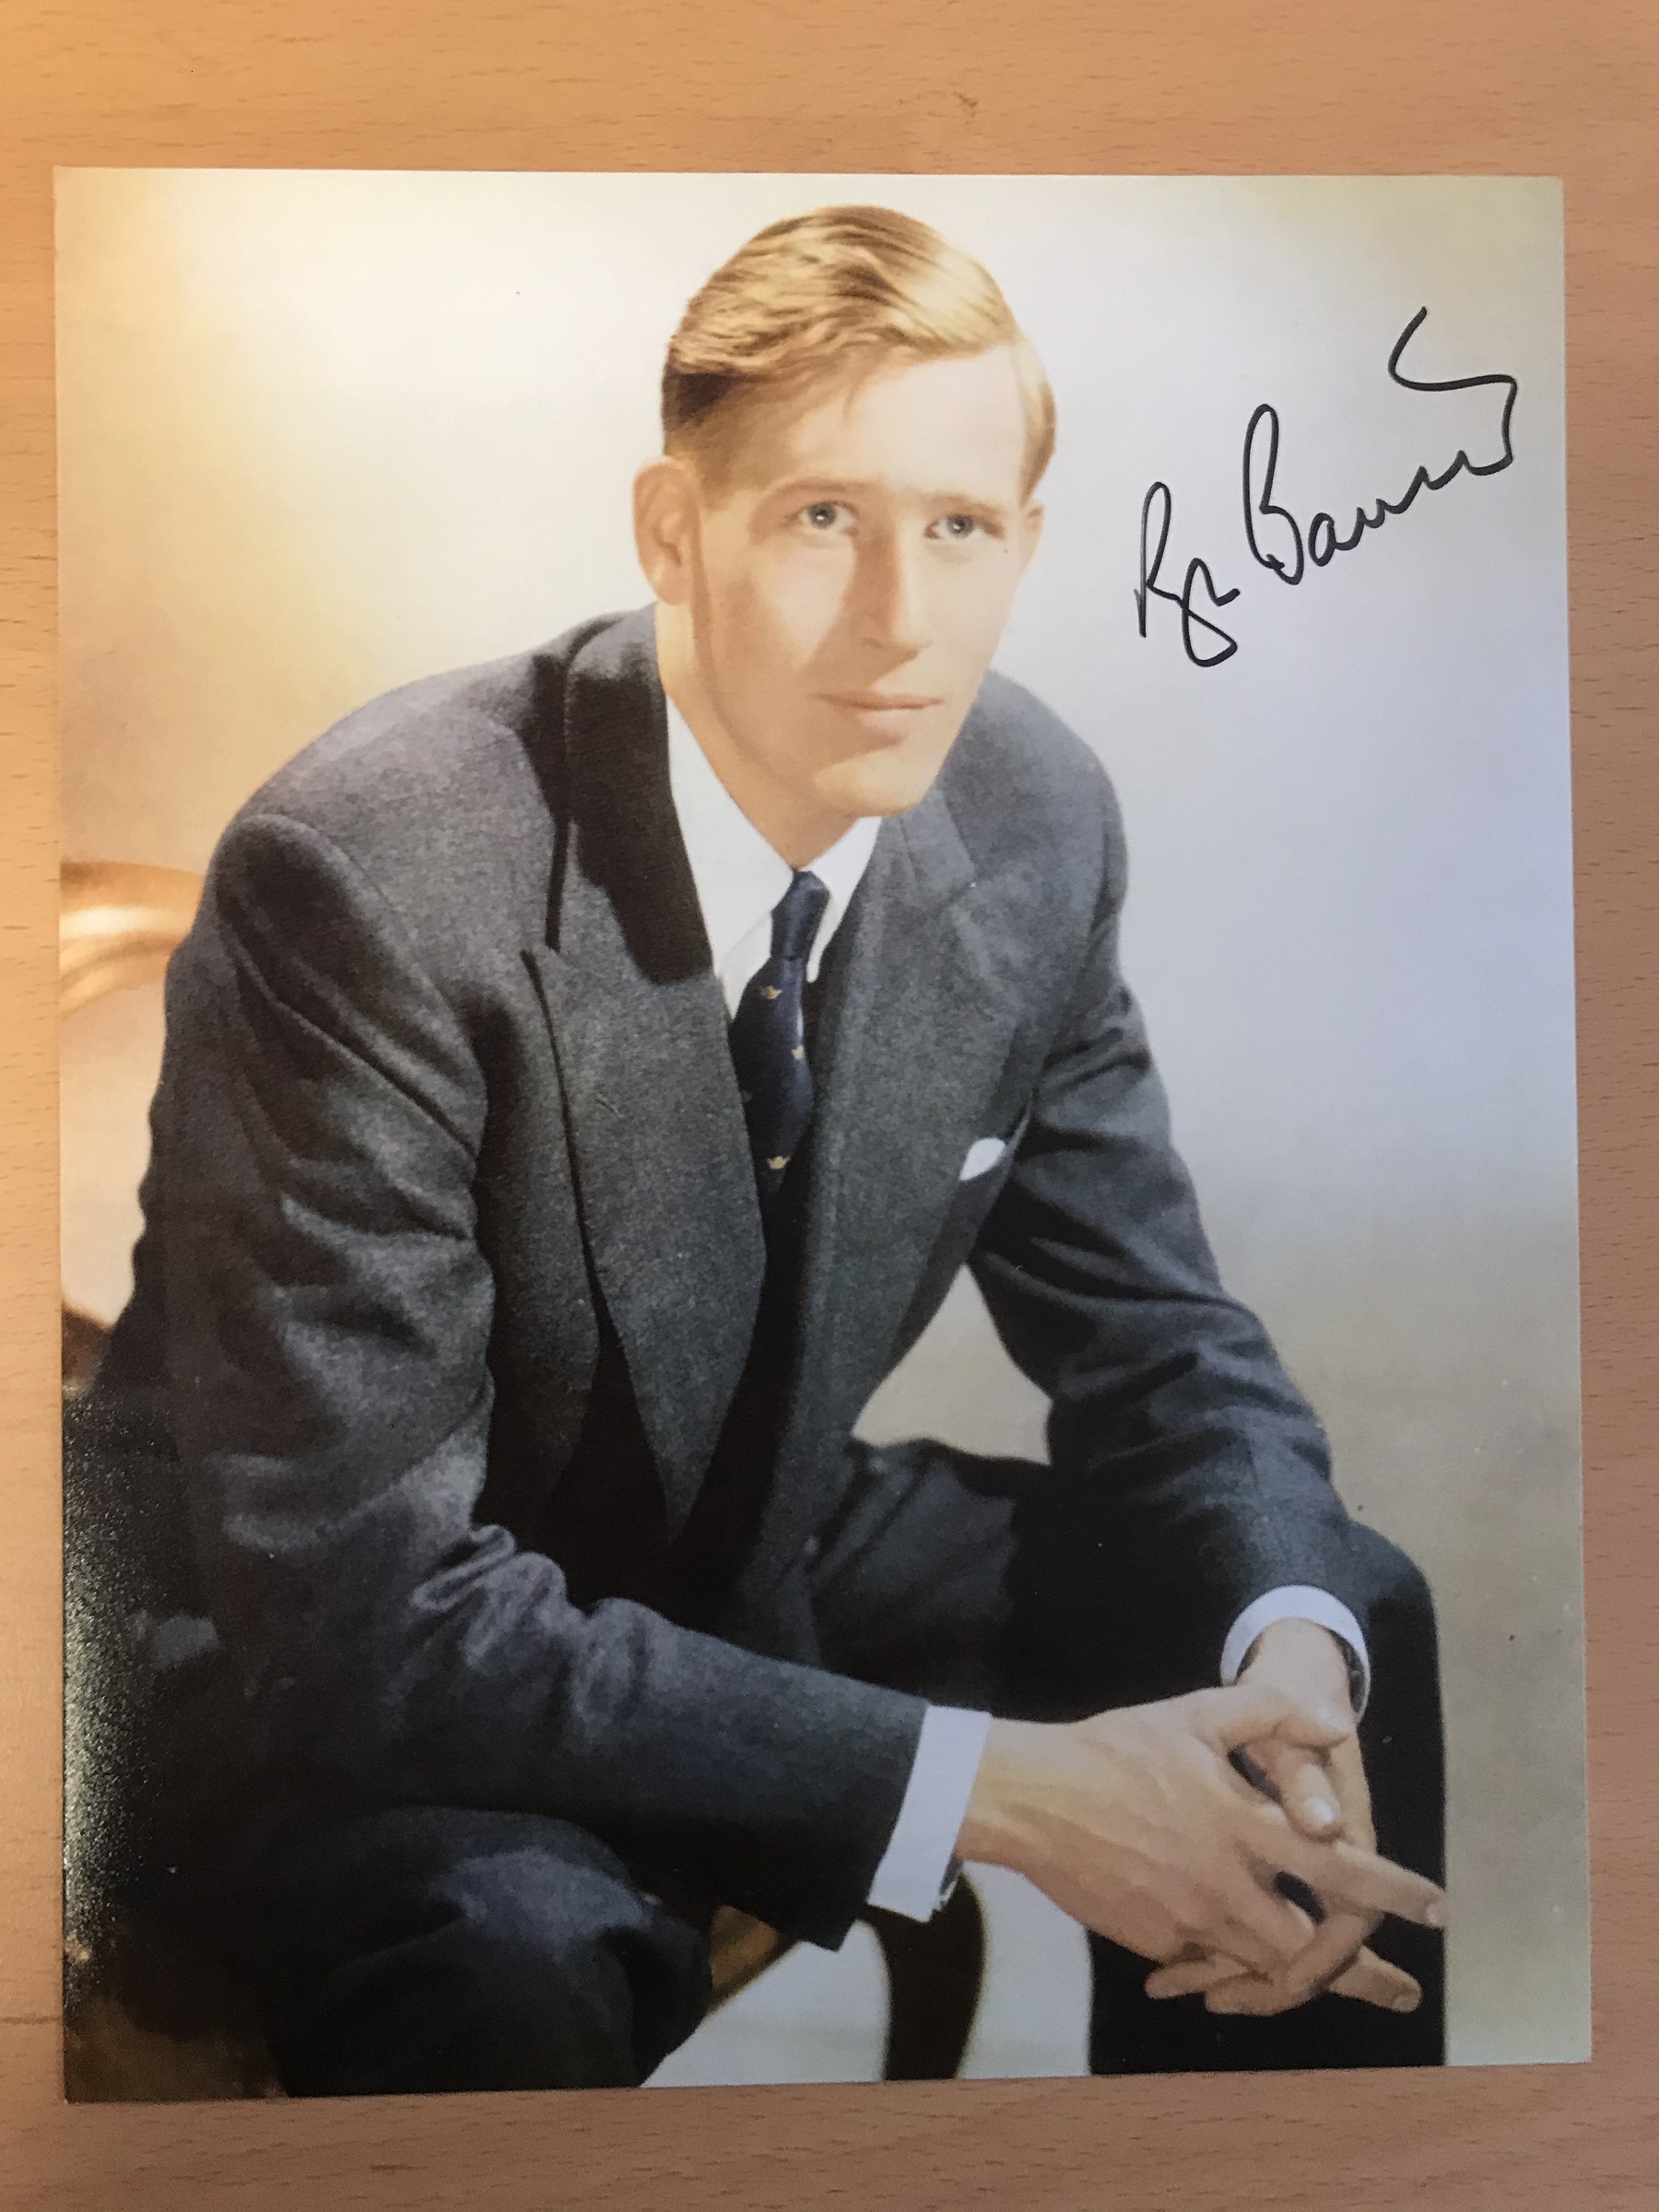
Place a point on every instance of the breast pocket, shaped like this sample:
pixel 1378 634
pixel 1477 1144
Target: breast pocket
pixel 984 1154
pixel 981 1177
pixel 988 1164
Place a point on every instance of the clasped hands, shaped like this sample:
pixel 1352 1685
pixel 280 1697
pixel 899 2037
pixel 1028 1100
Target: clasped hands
pixel 1139 1824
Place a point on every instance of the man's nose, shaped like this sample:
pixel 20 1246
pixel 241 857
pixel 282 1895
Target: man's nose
pixel 892 610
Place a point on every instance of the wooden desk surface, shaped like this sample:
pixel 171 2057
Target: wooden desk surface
pixel 1309 86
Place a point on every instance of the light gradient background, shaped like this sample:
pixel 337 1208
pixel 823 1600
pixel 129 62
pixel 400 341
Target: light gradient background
pixel 322 432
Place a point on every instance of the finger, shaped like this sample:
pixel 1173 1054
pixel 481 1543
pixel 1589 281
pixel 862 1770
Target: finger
pixel 1303 1784
pixel 1202 1969
pixel 1346 1767
pixel 1346 1877
pixel 1330 1953
pixel 1374 1981
pixel 1367 1978
pixel 1227 1719
pixel 1263 1930
pixel 1189 1977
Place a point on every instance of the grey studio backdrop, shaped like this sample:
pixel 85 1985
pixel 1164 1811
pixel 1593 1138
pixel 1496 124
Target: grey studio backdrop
pixel 323 433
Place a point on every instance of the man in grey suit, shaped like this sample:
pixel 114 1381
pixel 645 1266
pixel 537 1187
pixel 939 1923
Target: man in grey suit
pixel 584 1080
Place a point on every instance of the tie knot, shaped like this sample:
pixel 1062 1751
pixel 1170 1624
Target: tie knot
pixel 797 916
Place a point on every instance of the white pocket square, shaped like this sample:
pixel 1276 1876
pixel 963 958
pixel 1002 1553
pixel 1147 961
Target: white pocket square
pixel 983 1155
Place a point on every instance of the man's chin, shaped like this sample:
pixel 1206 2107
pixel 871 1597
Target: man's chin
pixel 889 781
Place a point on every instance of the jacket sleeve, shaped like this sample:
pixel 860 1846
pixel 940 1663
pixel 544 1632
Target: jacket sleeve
pixel 1188 1476
pixel 328 1310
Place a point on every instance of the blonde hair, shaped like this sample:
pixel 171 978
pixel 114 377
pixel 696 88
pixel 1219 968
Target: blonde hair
pixel 820 292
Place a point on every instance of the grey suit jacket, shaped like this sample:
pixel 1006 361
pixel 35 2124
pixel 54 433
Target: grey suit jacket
pixel 447 1111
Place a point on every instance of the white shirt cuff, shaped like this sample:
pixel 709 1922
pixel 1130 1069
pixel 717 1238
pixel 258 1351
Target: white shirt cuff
pixel 1299 1601
pixel 918 1870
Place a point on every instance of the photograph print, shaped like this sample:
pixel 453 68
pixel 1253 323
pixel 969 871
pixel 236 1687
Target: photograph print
pixel 819 1148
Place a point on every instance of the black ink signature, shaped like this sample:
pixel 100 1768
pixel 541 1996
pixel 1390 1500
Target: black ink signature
pixel 1149 586
pixel 1320 544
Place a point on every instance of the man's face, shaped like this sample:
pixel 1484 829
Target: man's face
pixel 848 585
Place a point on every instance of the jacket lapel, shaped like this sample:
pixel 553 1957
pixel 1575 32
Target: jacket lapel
pixel 914 1034
pixel 639 1025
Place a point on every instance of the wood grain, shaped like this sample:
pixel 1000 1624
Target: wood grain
pixel 1147 85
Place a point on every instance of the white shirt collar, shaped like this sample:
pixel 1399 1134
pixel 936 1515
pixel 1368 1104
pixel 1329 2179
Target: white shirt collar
pixel 738 877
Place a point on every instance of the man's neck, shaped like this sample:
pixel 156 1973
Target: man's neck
pixel 798 828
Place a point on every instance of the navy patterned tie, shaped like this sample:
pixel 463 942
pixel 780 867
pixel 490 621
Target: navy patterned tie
pixel 768 1039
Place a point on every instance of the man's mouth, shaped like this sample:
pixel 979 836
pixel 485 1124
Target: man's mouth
pixel 882 702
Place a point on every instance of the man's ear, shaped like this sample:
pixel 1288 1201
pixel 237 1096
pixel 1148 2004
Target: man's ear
pixel 665 515
pixel 1030 532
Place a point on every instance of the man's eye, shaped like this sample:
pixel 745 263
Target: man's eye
pixel 960 526
pixel 822 515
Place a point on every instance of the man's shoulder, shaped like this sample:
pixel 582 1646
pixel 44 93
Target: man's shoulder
pixel 435 738
pixel 1022 784
pixel 447 787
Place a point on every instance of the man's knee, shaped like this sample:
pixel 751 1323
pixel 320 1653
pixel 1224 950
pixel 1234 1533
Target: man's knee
pixel 1401 1732
pixel 1399 1602
pixel 528 1961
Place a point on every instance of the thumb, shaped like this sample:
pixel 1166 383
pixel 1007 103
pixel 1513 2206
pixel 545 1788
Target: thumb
pixel 1243 1714
pixel 1302 1782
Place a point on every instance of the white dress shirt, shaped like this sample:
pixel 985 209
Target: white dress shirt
pixel 739 878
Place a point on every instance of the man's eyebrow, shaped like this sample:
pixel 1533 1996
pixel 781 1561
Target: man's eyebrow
pixel 797 487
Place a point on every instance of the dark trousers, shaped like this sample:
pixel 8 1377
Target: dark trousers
pixel 437 1949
